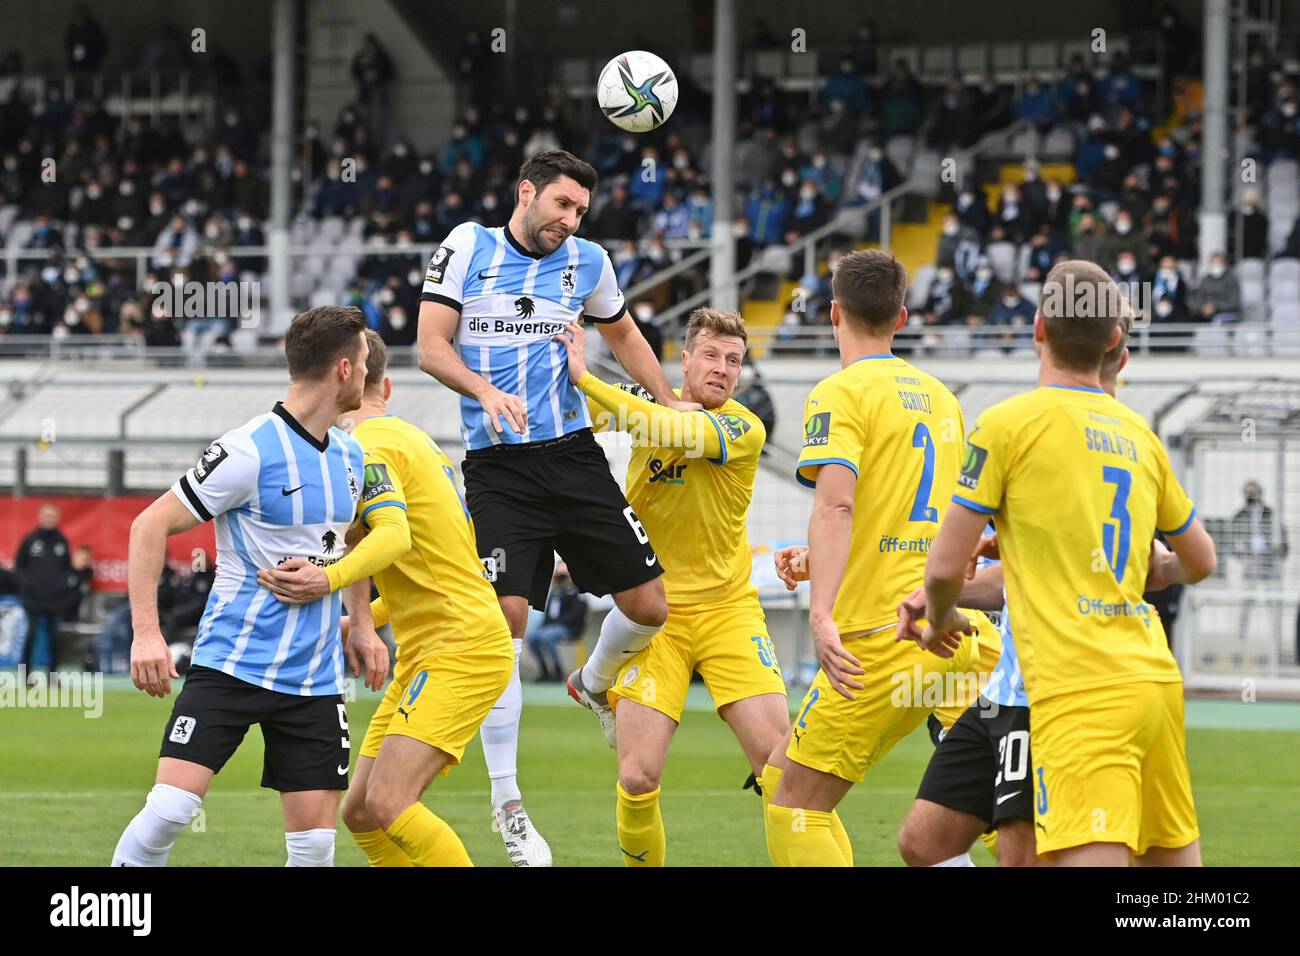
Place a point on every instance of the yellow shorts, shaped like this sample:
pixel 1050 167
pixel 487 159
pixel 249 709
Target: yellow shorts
pixel 902 686
pixel 1110 766
pixel 726 642
pixel 443 699
pixel 965 693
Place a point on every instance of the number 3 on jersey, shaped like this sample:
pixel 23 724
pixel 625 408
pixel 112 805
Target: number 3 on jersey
pixel 1115 537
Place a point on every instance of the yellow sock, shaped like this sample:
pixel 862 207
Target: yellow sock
pixel 990 841
pixel 803 837
pixel 380 850
pixel 640 828
pixel 426 839
pixel 769 781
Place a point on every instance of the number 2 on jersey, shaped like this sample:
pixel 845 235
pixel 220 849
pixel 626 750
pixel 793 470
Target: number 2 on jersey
pixel 922 510
pixel 1117 550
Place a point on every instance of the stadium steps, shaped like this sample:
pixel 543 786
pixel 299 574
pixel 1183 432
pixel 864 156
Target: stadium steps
pixel 914 243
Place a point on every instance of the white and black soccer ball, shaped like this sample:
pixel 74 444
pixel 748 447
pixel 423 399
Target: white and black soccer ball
pixel 637 91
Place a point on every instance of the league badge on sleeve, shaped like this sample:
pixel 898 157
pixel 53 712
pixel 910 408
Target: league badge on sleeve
pixel 569 280
pixel 972 465
pixel 214 456
pixel 733 425
pixel 377 481
pixel 438 264
pixel 817 430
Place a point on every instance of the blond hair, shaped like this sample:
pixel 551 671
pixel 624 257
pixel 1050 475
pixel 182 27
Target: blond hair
pixel 716 322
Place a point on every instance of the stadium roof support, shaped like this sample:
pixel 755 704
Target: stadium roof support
pixel 282 46
pixel 1214 148
pixel 723 264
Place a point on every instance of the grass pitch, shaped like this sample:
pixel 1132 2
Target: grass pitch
pixel 68 785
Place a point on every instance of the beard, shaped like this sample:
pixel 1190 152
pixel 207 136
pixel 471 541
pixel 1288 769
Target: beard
pixel 349 398
pixel 536 236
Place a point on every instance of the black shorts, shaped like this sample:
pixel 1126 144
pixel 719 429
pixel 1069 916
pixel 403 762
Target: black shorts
pixel 982 765
pixel 306 738
pixel 533 500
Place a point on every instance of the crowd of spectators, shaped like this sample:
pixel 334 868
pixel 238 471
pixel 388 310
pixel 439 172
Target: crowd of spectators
pixel 192 196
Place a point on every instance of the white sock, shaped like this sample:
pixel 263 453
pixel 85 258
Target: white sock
pixel 500 736
pixel 620 638
pixel 960 860
pixel 148 838
pixel 310 847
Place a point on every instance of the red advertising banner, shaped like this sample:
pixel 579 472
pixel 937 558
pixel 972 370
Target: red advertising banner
pixel 105 525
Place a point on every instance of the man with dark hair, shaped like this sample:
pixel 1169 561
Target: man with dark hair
pixel 42 563
pixel 882 443
pixel 535 479
pixel 282 490
pixel 1078 485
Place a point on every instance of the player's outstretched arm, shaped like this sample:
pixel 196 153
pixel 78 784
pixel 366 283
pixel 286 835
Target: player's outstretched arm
pixel 439 358
pixel 298 581
pixel 151 660
pixel 1191 559
pixel 635 355
pixel 983 592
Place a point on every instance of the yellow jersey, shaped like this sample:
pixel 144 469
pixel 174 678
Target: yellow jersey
pixel 690 481
pixel 1077 484
pixel 901 432
pixel 436 595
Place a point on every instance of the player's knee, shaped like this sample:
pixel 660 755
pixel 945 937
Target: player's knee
pixel 913 846
pixel 356 817
pixel 638 778
pixel 385 804
pixel 310 847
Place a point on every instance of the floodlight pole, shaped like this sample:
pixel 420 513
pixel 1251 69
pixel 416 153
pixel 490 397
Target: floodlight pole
pixel 1214 143
pixel 722 266
pixel 277 240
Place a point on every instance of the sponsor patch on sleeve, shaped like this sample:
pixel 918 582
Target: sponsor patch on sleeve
pixel 214 456
pixel 972 465
pixel 817 430
pixel 733 426
pixel 377 482
pixel 438 264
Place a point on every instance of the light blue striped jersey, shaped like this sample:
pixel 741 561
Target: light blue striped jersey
pixel 1006 685
pixel 512 303
pixel 274 492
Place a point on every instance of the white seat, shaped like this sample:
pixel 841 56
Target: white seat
pixel 1059 144
pixel 925 172
pixel 775 259
pixel 1284 270
pixel 1252 291
pixel 1283 292
pixel 1282 171
pixel 1250 268
pixel 899 150
pixel 1002 257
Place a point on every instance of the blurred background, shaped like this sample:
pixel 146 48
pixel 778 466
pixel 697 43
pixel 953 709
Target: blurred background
pixel 305 152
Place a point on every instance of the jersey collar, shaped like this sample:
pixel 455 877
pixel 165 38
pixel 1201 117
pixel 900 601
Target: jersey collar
pixel 518 246
pixel 296 425
pixel 1078 388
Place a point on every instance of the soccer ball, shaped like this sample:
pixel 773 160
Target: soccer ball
pixel 637 91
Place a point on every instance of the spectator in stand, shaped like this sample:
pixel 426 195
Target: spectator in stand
pixel 1218 297
pixel 946 301
pixel 1015 218
pixel 1129 277
pixel 875 176
pixel 1169 292
pixel 1075 92
pixel 1055 212
pixel 846 85
pixel 673 218
pixel 1117 84
pixel 646 187
pixel 372 69
pixel 950 121
pixel 972 211
pixel 1036 104
pixel 1011 308
pixel 563 619
pixel 701 207
pixel 810 212
pixel 990 108
pixel 1254 227
pixel 43 562
pixel 84 41
pixel 176 245
pixel 643 314
pixel 1123 237
pixel 81 576
pixel 900 107
pixel 461 146
pixel 766 212
pixel 819 171
pixel 1042 252
pixel 629 266
pixel 983 295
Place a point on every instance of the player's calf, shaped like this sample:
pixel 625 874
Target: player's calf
pixel 1016 844
pixel 934 834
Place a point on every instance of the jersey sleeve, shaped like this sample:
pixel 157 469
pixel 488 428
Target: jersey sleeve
pixel 1174 511
pixel 381 485
pixel 982 480
pixel 605 304
pixel 224 478
pixel 740 437
pixel 833 432
pixel 444 280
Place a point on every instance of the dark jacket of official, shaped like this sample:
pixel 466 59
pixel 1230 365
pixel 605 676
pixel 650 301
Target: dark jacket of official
pixel 43 563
